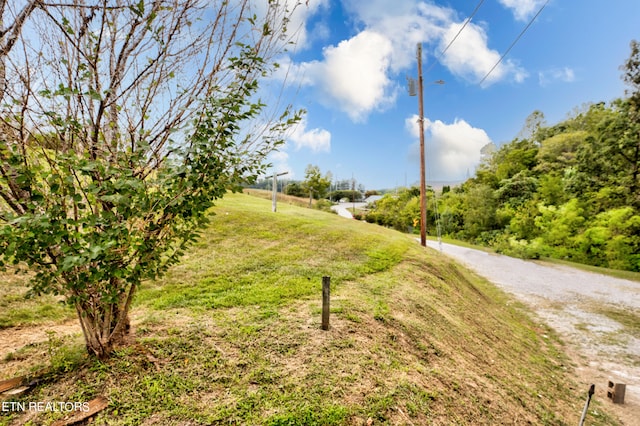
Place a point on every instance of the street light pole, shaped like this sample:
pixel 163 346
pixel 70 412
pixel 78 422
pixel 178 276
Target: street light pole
pixel 423 184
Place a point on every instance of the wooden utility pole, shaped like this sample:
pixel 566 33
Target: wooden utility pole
pixel 423 184
pixel 275 190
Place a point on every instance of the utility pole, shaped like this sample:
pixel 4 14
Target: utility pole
pixel 275 190
pixel 423 181
pixel 423 184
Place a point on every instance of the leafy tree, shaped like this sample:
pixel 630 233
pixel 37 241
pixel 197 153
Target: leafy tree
pixel 522 223
pixel 315 184
pixel 479 214
pixel 551 189
pixel 621 146
pixel 559 151
pixel 295 189
pixel 568 190
pixel 517 189
pixel 515 157
pixel 400 210
pixel 452 211
pixel 119 130
pixel 607 159
pixel 613 239
pixel 533 124
pixel 560 225
pixel 621 133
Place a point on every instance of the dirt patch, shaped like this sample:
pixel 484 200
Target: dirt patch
pixel 571 302
pixel 15 338
pixel 23 347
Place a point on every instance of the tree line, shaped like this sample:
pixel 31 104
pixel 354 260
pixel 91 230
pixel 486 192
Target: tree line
pixel 317 186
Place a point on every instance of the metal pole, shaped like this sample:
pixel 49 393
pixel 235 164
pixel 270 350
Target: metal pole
pixel 274 195
pixel 423 184
pixel 586 405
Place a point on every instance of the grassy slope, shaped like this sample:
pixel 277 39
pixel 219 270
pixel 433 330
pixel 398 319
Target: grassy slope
pixel 232 336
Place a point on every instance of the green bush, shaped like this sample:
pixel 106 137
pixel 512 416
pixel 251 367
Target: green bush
pixel 523 249
pixel 324 205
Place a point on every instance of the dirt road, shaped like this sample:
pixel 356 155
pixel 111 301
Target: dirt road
pixel 575 304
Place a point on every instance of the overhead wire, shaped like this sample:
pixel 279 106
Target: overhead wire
pixel 514 43
pixel 456 36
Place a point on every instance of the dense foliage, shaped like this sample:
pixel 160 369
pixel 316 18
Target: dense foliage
pixel 401 210
pixel 569 191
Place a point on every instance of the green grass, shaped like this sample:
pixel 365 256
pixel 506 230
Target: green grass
pixel 232 336
pixel 271 267
pixel 17 309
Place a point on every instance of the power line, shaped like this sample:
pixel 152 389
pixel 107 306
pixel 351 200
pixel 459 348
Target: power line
pixel 513 44
pixel 456 36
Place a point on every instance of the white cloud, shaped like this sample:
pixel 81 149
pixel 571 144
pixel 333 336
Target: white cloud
pixel 565 75
pixel 523 9
pixel 317 140
pixel 280 161
pixel 300 15
pixel 407 22
pixel 354 74
pixel 412 124
pixel 321 31
pixel 469 56
pixel 404 23
pixel 452 150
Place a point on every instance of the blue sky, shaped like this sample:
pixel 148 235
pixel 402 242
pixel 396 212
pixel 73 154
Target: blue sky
pixel 349 66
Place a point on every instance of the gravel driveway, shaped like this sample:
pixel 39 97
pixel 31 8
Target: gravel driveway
pixel 569 300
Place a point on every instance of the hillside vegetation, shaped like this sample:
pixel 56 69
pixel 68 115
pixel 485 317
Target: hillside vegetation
pixel 232 336
pixel 567 191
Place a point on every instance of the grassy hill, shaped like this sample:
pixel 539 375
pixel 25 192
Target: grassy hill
pixel 232 336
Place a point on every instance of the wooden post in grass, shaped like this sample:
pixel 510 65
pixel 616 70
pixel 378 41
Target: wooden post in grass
pixel 326 292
